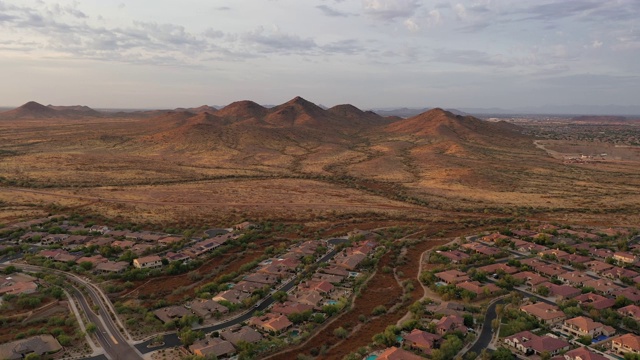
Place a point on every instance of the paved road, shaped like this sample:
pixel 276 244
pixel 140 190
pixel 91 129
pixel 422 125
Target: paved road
pixel 484 338
pixel 171 340
pixel 107 333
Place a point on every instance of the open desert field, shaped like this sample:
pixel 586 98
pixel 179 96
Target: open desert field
pixel 298 161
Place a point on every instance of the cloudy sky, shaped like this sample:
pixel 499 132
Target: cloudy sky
pixel 371 53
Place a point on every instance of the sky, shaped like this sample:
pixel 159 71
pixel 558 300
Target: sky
pixel 369 53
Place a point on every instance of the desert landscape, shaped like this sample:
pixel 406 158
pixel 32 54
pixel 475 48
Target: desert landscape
pixel 297 160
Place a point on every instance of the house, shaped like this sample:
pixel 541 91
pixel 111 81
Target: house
pixel 558 254
pixel 598 266
pixel 53 239
pixel 450 323
pixel 123 244
pixel 499 267
pixel 99 229
pixel 575 258
pixel 311 297
pixel 39 345
pixel 624 257
pixel 479 289
pixel 531 279
pixel 452 277
pixel 323 287
pixel 271 323
pixel 584 326
pixel 630 293
pixel 111 267
pixel 529 247
pixel 248 286
pixel 233 296
pixel 148 262
pixel 618 272
pixel 574 278
pixel 627 343
pixel 546 344
pixel 455 256
pixel 140 249
pixel 601 285
pixel 632 311
pixel 59 255
pixel 422 340
pixel 517 341
pixel 349 262
pixel 290 307
pixel 181 257
pixel 170 313
pixel 209 347
pixel 236 334
pixel 169 240
pixel 560 292
pixel 94 260
pixel 206 309
pixel 583 353
pixel 18 284
pixel 394 353
pixel 543 312
pixel 595 301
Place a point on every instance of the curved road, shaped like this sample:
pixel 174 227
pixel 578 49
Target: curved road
pixel 107 333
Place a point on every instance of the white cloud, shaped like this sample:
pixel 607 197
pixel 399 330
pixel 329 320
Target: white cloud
pixel 411 25
pixel 390 9
pixel 461 11
pixel 597 44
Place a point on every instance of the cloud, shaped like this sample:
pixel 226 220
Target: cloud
pixel 461 11
pixel 596 44
pixel 329 11
pixel 276 41
pixel 387 10
pixel 411 25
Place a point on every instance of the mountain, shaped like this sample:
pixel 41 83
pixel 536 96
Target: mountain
pixel 242 110
pixel 31 109
pixel 409 112
pixel 75 109
pixel 440 123
pixel 297 112
pixel 200 109
pixel 34 110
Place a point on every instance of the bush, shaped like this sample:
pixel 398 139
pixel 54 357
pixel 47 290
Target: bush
pixel 379 310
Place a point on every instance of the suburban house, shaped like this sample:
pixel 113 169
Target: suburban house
pixel 111 267
pixel 450 323
pixel 543 312
pixel 290 307
pixel 584 326
pixel 583 353
pixel 452 277
pixel 233 296
pixel 479 289
pixel 529 343
pixel 455 256
pixel 39 345
pixel 422 340
pixel 624 257
pixel 148 262
pixel 170 313
pixel 627 343
pixel 207 309
pixel 595 301
pixel 236 334
pixel 18 284
pixel 632 311
pixel 560 292
pixel 212 346
pixel 394 353
pixel 271 323
pixel 530 279
pixel 499 267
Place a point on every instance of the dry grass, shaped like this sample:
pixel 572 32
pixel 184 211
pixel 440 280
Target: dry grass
pixel 167 169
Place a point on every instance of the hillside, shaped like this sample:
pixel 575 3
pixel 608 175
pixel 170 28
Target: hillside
pixel 34 110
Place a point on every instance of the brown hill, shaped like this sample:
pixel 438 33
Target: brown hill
pixel 353 114
pixel 32 110
pixel 199 109
pixel 297 112
pixel 438 123
pixel 242 110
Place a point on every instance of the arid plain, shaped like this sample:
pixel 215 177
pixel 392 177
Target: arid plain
pixel 299 162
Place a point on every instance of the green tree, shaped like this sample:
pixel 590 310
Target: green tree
pixel 341 332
